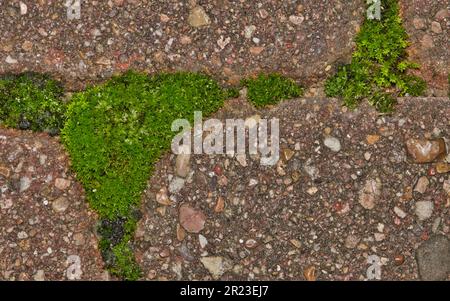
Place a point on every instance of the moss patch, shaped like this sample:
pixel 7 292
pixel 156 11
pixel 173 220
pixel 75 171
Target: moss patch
pixel 31 101
pixel 378 71
pixel 115 132
pixel 269 89
pixel 116 236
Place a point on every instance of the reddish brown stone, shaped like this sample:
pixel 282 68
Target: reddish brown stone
pixel 425 151
pixel 193 220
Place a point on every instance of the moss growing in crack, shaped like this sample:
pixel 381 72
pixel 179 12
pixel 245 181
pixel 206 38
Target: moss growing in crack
pixel 125 265
pixel 270 89
pixel 379 65
pixel 232 92
pixel 31 101
pixel 115 132
pixel 115 247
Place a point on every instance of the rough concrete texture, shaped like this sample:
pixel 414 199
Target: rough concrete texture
pixel 427 23
pixel 46 228
pixel 343 190
pixel 321 208
pixel 296 38
pixel 228 39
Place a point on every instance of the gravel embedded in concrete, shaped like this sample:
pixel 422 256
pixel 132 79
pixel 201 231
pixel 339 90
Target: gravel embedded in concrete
pixel 46 228
pixel 305 212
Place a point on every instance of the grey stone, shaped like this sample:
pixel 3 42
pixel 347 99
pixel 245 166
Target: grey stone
pixel 433 258
pixel 216 265
pixel 424 210
pixel 249 30
pixel 332 143
pixel 311 170
pixel 10 60
pixel 176 184
pixel 25 183
pixel 22 235
pixel 39 276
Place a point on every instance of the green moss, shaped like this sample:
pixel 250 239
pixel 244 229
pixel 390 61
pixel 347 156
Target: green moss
pixel 232 92
pixel 116 131
pixel 115 247
pixel 31 101
pixel 125 265
pixel 379 65
pixel 414 85
pixel 383 102
pixel 270 89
